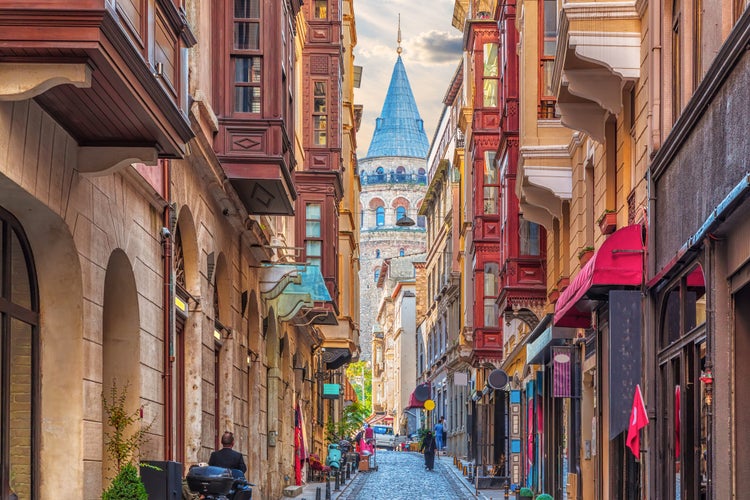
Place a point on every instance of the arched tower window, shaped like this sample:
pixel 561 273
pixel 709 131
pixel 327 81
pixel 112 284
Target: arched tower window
pixel 377 274
pixel 377 253
pixel 380 216
pixel 400 212
pixel 401 252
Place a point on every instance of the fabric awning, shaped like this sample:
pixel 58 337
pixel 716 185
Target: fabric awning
pixel 291 287
pixel 617 263
pixel 336 358
pixel 414 402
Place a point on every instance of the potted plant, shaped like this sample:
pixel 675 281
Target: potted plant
pixel 608 221
pixel 585 255
pixel 525 493
pixel 544 496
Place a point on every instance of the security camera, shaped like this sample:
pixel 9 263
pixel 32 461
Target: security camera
pixel 165 233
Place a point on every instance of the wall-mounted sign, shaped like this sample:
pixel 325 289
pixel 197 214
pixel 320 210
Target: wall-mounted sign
pixel 331 391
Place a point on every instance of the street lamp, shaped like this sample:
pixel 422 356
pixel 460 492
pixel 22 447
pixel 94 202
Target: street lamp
pixel 405 221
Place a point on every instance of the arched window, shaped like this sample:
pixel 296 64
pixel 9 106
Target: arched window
pixel 380 216
pixel 379 170
pixel 377 274
pixel 377 253
pixel 400 212
pixel 19 312
pixel 401 252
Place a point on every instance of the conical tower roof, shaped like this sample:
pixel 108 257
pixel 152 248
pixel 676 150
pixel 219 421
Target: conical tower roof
pixel 399 131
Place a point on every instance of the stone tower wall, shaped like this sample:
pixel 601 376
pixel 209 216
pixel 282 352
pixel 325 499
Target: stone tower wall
pixel 389 238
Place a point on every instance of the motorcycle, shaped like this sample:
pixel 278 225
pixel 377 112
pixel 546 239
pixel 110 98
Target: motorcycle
pixel 218 483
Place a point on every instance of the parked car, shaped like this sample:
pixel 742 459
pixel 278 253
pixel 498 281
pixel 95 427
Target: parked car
pixel 384 437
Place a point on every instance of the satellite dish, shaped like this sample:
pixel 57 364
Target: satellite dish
pixel 497 379
pixel 422 393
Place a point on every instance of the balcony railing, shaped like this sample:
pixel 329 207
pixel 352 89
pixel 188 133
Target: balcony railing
pixel 393 178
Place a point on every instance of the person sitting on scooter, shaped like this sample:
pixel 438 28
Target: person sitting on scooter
pixel 227 457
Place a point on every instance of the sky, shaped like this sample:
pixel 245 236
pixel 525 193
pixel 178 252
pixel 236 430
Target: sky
pixel 431 53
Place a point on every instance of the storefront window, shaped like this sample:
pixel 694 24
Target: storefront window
pixel 684 403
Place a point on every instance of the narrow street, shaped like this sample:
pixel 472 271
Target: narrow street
pixel 401 475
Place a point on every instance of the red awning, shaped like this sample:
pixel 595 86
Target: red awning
pixel 617 263
pixel 414 402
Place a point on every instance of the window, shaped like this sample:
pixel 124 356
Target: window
pixel 547 59
pixel 400 212
pixel 421 221
pixel 683 402
pixel 401 252
pixel 490 295
pixel 380 216
pixel 245 56
pixel 377 253
pixel 489 82
pixel 491 183
pixel 18 366
pixel 320 114
pixel 377 274
pixel 321 9
pixel 529 237
pixel 313 236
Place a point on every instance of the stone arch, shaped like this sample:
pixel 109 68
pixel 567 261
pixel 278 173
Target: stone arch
pixel 61 354
pixel 376 202
pixel 190 253
pixel 121 346
pixel 223 323
pixel 273 386
pixel 191 337
pixel 400 201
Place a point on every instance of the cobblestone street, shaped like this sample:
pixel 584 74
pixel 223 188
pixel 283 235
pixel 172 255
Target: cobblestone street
pixel 403 476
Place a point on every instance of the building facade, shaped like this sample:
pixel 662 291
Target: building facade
pixel 149 242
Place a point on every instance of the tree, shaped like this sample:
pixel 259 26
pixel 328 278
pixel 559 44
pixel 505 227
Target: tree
pixel 360 376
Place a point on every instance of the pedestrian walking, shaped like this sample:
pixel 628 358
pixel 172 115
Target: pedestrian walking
pixel 440 433
pixel 428 448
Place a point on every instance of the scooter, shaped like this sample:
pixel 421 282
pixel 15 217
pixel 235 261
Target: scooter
pixel 218 483
pixel 333 460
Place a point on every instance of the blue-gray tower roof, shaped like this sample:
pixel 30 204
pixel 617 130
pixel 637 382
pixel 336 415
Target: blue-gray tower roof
pixel 399 131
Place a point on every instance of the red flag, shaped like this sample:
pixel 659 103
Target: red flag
pixel 638 420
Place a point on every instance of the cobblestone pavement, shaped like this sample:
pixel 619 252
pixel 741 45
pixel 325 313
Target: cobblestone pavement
pixel 401 475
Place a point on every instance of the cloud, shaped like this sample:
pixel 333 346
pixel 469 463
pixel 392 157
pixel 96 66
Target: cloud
pixel 430 57
pixel 436 47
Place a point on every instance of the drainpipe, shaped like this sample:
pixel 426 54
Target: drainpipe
pixel 168 313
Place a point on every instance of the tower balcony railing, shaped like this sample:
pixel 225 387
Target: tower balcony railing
pixel 393 178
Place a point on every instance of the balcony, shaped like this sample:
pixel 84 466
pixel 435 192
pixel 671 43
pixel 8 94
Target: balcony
pixel 257 157
pixel 598 53
pixel 114 75
pixel 393 178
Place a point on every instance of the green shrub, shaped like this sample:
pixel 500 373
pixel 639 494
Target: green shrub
pixel 526 493
pixel 544 496
pixel 126 485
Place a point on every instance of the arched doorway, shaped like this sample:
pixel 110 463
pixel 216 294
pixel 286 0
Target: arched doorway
pixel 19 352
pixel 120 341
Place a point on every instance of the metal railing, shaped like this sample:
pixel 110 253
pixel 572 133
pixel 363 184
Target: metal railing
pixel 393 178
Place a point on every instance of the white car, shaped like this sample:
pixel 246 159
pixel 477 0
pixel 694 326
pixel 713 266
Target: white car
pixel 384 437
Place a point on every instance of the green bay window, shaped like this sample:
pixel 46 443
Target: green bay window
pixel 245 56
pixel 320 114
pixel 313 234
pixel 490 76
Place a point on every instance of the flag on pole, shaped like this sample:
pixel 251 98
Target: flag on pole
pixel 638 420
